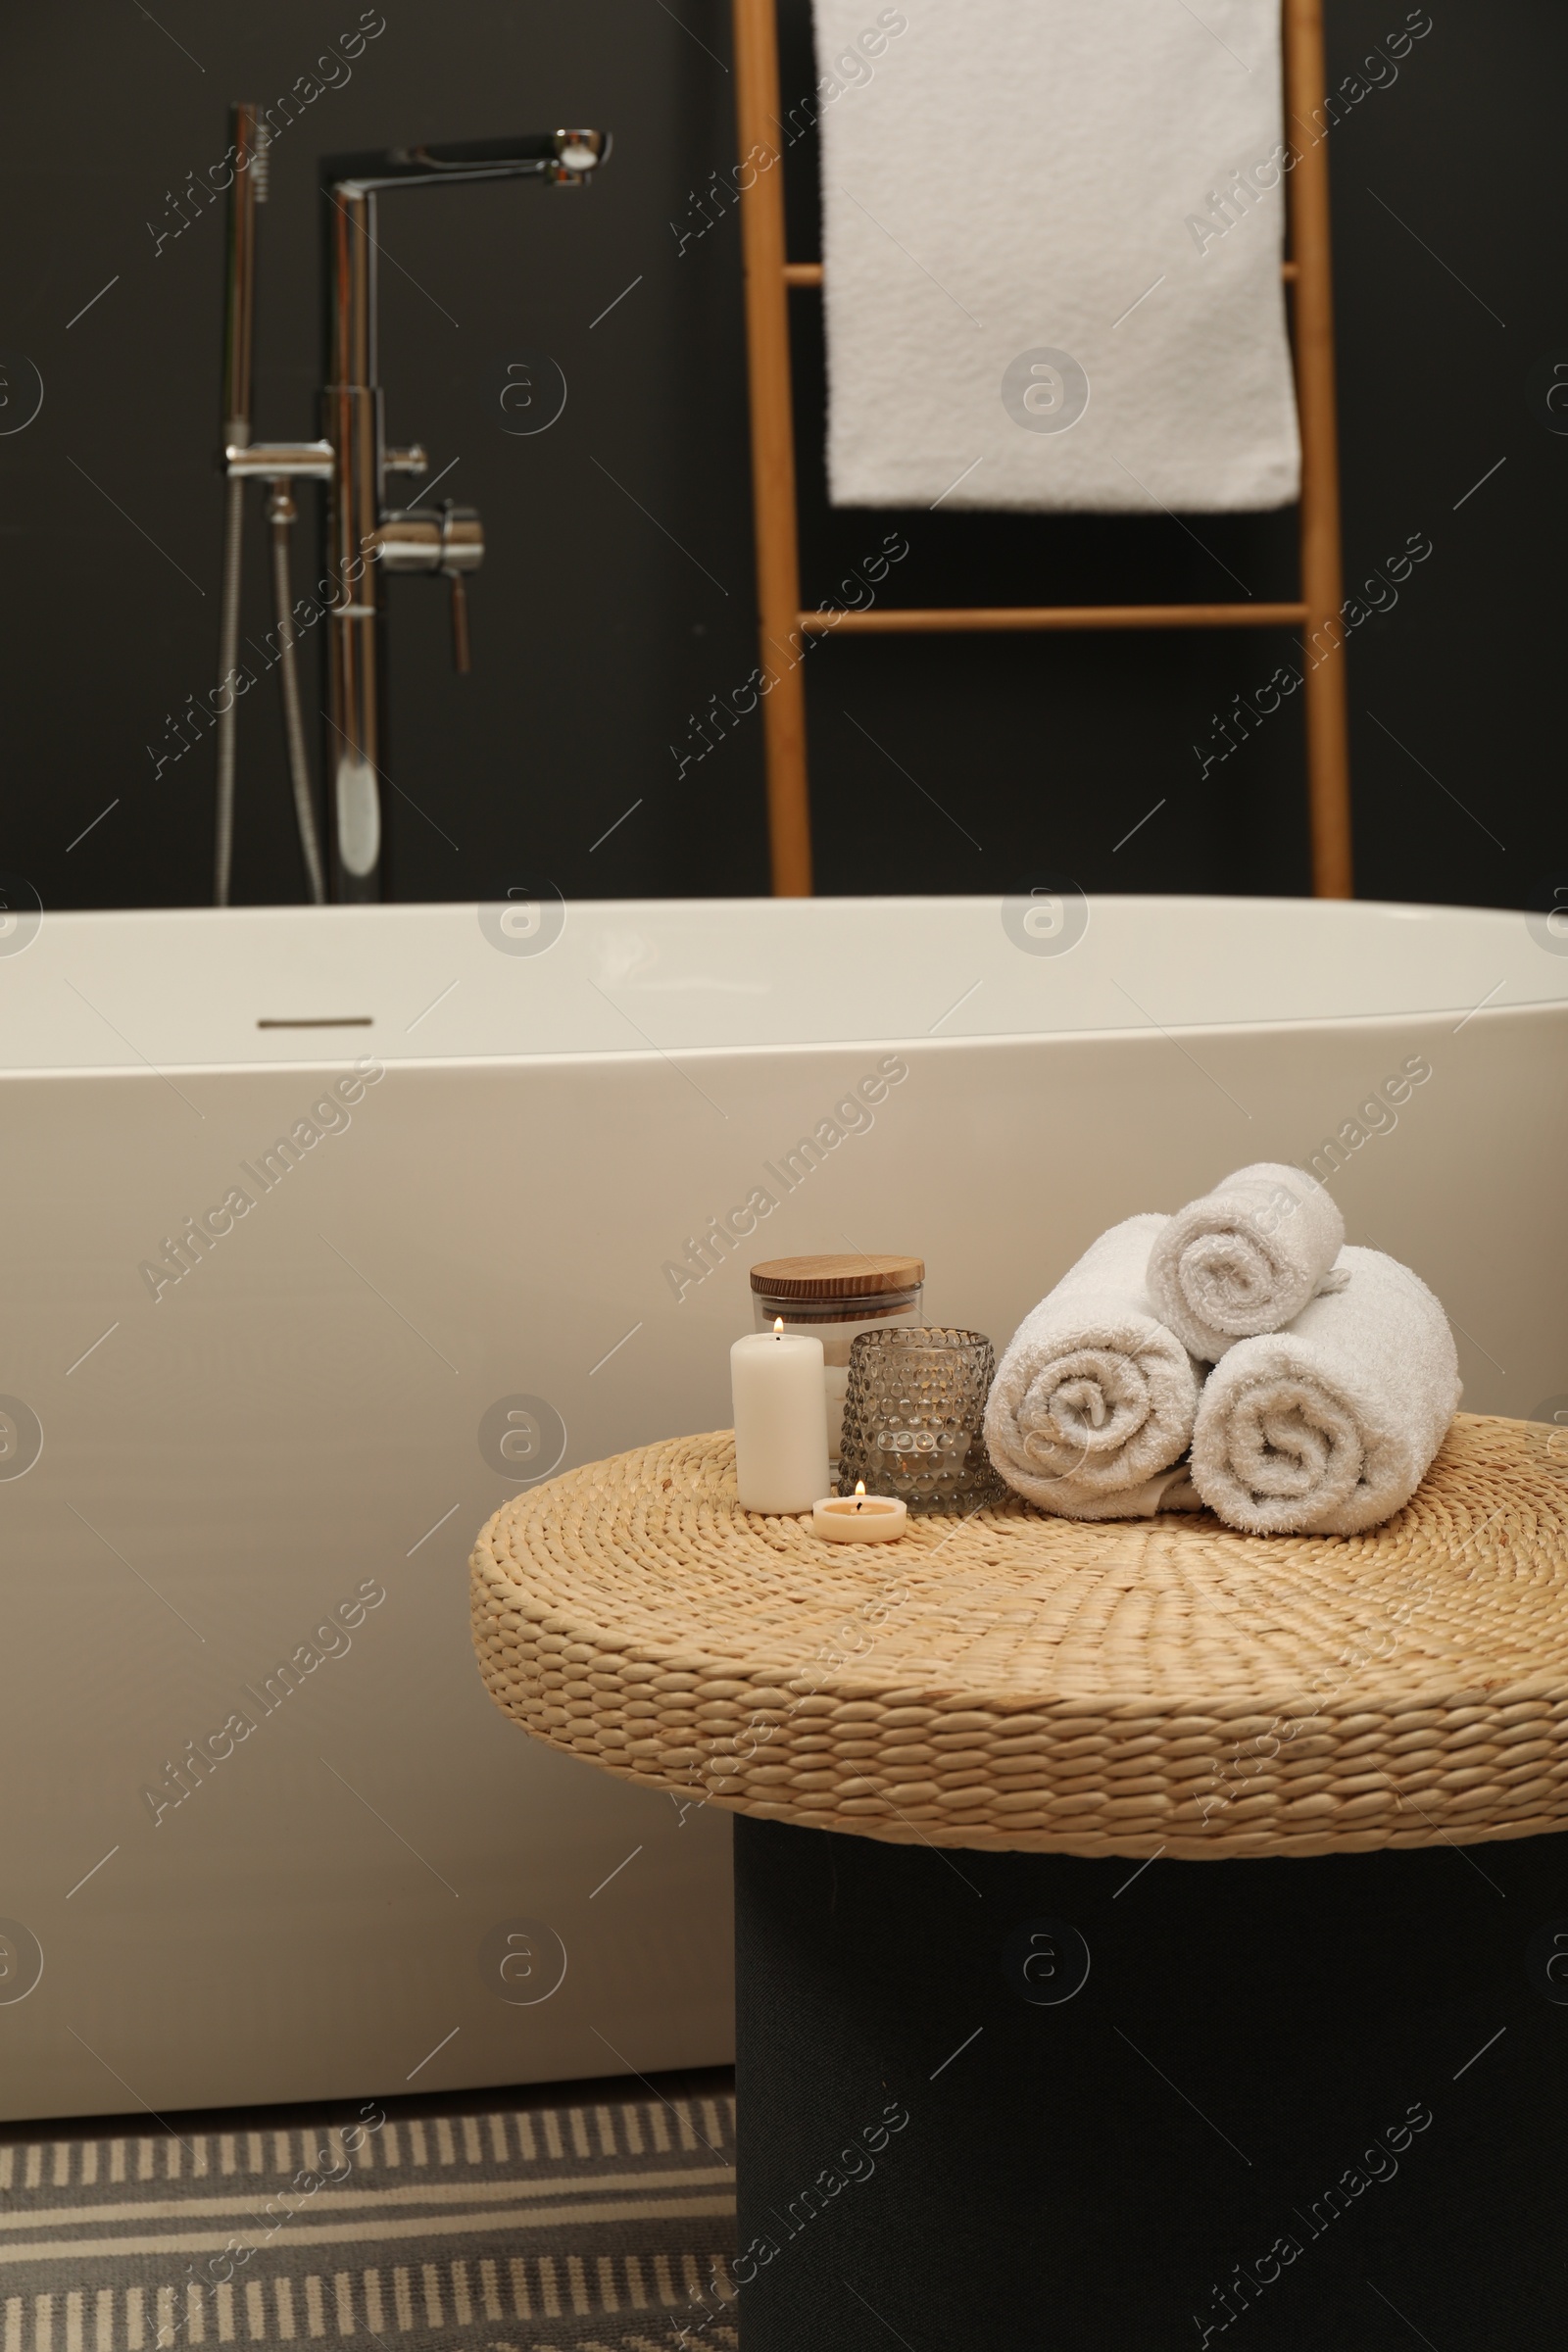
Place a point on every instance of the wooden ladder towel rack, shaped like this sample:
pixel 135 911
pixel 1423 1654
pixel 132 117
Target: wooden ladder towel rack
pixel 769 277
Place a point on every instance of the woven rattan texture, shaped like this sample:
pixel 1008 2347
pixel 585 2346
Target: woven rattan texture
pixel 1017 1681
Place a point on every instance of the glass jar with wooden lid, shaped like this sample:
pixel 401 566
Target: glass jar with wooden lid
pixel 833 1299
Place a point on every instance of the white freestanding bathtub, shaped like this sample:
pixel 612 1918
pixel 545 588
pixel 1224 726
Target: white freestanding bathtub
pixel 288 1309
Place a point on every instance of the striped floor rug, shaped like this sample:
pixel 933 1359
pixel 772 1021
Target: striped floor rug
pixel 599 2223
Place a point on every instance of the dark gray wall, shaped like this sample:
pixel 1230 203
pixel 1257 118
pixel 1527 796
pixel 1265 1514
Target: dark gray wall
pixel 617 597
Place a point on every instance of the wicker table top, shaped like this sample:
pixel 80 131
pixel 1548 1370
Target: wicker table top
pixel 1017 1681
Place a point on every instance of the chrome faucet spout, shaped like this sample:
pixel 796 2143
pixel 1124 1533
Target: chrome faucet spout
pixel 365 540
pixel 564 158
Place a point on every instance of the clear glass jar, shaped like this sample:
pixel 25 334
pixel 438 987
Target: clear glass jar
pixel 834 1299
pixel 915 1419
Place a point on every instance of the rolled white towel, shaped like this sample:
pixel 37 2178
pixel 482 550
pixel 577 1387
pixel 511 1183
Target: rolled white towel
pixel 1094 1400
pixel 1245 1258
pixel 1328 1428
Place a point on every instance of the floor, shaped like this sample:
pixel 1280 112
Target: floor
pixel 582 2218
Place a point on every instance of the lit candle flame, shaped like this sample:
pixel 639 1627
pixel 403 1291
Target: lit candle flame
pixel 779 1327
pixel 860 1493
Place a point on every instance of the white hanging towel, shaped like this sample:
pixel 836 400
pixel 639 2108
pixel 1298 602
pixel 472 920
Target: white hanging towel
pixel 1052 232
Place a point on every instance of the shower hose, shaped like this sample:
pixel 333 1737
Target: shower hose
pixel 280 513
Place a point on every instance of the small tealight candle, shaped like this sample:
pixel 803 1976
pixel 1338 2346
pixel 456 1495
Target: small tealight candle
pixel 780 1407
pixel 859 1518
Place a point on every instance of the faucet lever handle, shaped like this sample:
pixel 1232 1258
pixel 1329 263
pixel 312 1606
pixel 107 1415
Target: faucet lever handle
pixel 462 551
pixel 459 624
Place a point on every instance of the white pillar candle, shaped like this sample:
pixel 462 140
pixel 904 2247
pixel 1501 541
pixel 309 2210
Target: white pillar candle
pixel 780 1407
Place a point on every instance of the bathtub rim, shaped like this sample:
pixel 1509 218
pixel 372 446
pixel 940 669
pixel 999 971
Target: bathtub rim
pixel 609 1055
pixel 378 910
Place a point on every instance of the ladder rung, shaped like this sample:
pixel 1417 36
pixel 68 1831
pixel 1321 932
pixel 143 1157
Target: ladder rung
pixel 1055 616
pixel 810 274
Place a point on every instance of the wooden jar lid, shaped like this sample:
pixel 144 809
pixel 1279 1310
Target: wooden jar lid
pixel 840 1277
pixel 1132 1686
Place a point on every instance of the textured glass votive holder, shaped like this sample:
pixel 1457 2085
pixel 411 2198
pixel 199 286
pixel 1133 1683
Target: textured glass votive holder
pixel 912 1418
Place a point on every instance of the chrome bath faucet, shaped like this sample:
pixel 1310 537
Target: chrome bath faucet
pixel 365 537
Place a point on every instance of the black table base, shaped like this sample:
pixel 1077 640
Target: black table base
pixel 1292 2106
